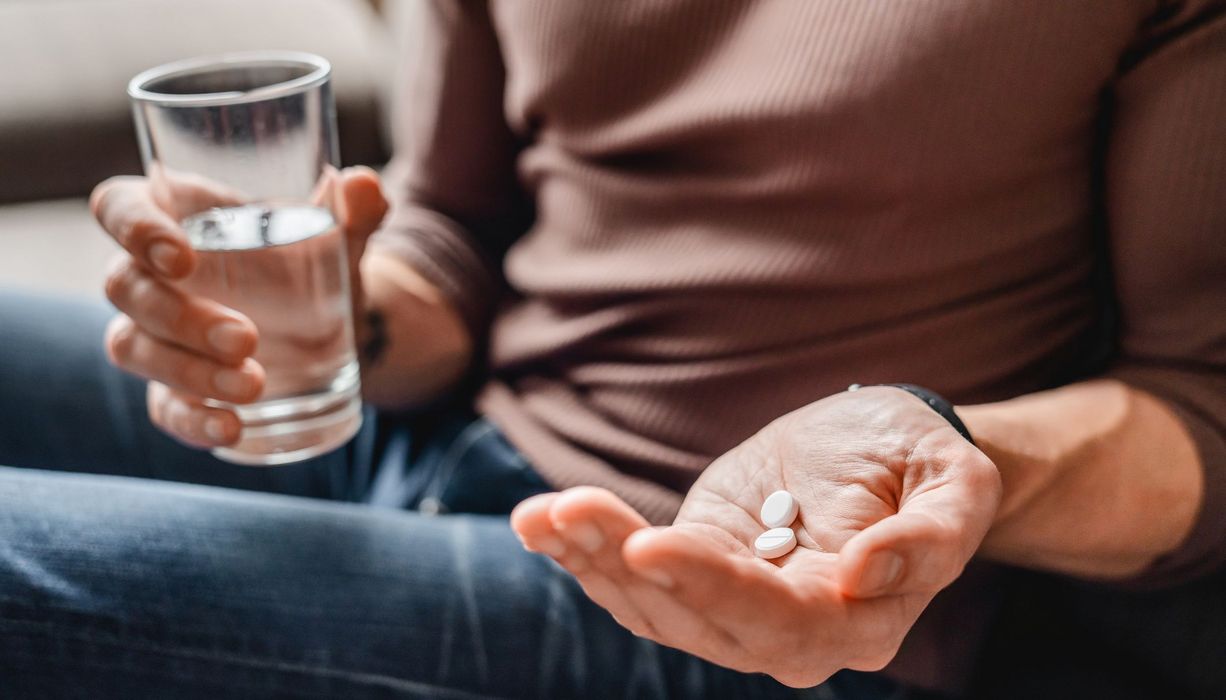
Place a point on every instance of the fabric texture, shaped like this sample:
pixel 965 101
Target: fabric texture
pixel 739 208
pixel 120 587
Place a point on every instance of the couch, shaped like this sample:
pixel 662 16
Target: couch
pixel 65 121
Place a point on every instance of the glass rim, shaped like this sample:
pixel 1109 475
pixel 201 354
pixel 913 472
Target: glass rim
pixel 319 70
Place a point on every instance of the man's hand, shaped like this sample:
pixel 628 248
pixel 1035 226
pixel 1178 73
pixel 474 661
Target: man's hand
pixel 189 347
pixel 893 503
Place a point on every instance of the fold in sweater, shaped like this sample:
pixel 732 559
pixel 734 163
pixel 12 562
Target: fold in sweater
pixel 671 222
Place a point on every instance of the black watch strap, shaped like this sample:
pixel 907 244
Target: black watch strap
pixel 934 400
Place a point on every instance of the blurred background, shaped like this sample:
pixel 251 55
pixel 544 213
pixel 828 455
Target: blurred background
pixel 66 124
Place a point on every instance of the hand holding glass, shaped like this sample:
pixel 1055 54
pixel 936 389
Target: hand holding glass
pixel 241 150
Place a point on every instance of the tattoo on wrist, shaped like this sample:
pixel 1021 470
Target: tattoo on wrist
pixel 375 342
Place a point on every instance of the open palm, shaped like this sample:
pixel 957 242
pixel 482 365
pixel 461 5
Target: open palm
pixel 893 502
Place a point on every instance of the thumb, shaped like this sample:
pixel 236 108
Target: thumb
pixel 939 525
pixel 359 203
pixel 926 544
pixel 904 553
pixel 356 199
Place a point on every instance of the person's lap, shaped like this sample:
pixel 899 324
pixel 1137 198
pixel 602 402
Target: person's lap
pixel 112 586
pixel 64 407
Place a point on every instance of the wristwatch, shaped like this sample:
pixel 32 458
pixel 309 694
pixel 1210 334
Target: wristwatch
pixel 934 400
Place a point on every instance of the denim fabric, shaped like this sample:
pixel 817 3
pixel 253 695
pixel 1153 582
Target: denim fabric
pixel 386 569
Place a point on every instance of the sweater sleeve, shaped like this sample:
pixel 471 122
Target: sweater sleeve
pixel 1165 201
pixel 455 202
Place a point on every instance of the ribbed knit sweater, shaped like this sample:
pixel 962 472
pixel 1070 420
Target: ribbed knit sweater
pixel 673 221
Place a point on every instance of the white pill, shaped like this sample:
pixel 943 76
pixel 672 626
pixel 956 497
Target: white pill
pixel 779 509
pixel 775 542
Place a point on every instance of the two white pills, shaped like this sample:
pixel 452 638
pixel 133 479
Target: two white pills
pixel 778 512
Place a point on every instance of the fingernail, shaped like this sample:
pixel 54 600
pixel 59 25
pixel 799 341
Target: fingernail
pixel 587 536
pixel 228 337
pixel 234 382
pixel 880 572
pixel 575 562
pixel 164 255
pixel 177 416
pixel 657 577
pixel 215 429
pixel 549 545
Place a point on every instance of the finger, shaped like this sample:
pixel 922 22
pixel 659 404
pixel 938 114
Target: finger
pixel 188 420
pixel 744 595
pixel 798 629
pixel 611 596
pixel 925 546
pixel 651 612
pixel 531 523
pixel 904 553
pixel 582 548
pixel 360 205
pixel 594 519
pixel 192 322
pixel 755 611
pixel 673 623
pixel 530 520
pixel 596 522
pixel 125 208
pixel 592 524
pixel 325 192
pixel 182 194
pixel 140 353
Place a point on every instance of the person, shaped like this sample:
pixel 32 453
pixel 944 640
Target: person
pixel 635 254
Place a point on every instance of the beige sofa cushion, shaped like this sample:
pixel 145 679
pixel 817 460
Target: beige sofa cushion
pixel 53 246
pixel 65 123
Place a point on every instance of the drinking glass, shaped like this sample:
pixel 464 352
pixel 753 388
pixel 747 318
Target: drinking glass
pixel 240 149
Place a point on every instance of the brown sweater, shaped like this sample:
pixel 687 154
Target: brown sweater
pixel 676 220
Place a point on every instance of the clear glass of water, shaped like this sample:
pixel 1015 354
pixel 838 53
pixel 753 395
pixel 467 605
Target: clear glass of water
pixel 240 148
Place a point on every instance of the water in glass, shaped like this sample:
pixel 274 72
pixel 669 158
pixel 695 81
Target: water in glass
pixel 285 268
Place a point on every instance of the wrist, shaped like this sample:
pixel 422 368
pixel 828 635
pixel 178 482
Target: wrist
pixel 414 344
pixel 1098 479
pixel 1025 466
pixel 937 403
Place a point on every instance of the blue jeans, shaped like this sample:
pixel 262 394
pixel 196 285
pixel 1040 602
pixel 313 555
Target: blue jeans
pixel 386 569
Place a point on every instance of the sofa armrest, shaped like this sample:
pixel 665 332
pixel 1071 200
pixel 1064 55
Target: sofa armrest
pixel 65 122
